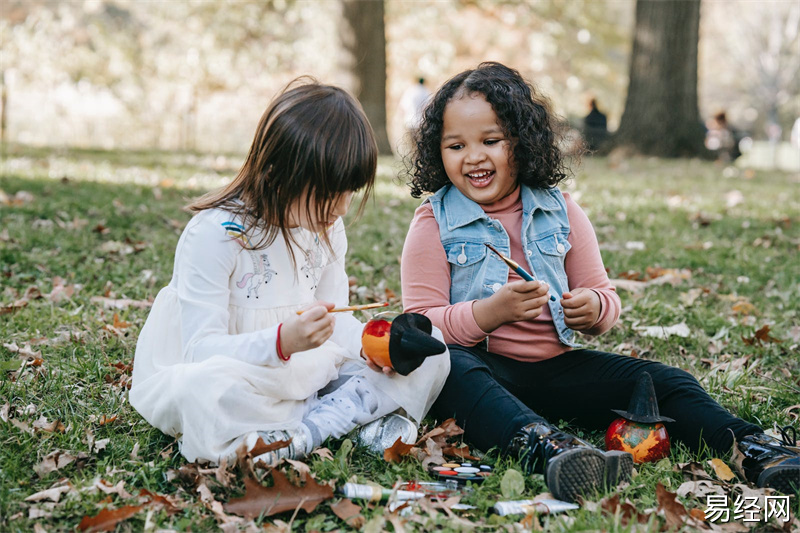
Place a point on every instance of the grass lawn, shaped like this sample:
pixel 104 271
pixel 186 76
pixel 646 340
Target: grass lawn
pixel 714 248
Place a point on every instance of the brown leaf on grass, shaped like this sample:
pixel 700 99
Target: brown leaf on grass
pixel 282 496
pixel 325 453
pixel 760 337
pixel 164 502
pixel 261 447
pixel 57 460
pixel 15 306
pixel 53 493
pixel 627 512
pixel 697 514
pixel 60 291
pixel 692 470
pixel 432 454
pixel 104 420
pixel 721 469
pixel 32 293
pixel 674 511
pixel 700 488
pixel 120 324
pixel 461 451
pixel 450 428
pixel 107 519
pixel 396 452
pixel 737 458
pixel 4 409
pixel 743 307
pixel 43 424
pixel 349 512
pixel 107 488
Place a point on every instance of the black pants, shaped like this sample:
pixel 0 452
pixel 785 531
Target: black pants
pixel 491 397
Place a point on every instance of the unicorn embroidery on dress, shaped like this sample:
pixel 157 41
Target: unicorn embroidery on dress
pixel 313 263
pixel 261 274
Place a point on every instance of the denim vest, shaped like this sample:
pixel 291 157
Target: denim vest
pixel 477 273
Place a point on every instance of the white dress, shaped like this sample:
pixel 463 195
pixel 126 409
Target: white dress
pixel 206 368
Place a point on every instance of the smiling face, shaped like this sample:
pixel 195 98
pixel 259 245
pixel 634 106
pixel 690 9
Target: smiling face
pixel 475 151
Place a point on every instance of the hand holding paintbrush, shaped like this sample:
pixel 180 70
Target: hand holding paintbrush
pixel 513 265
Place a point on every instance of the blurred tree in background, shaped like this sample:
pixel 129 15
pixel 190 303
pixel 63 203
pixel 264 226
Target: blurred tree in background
pixel 661 113
pixel 197 75
pixel 364 38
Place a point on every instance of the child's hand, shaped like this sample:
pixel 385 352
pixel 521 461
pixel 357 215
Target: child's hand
pixel 389 371
pixel 308 330
pixel 581 308
pixel 514 302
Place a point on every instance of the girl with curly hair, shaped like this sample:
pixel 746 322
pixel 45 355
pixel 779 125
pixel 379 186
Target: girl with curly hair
pixel 487 150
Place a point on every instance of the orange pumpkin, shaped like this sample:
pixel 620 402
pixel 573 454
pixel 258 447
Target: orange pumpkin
pixel 375 338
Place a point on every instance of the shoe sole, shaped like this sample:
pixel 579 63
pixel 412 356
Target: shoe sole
pixel 583 471
pixel 619 467
pixel 785 479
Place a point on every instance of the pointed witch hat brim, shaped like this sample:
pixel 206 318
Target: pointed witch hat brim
pixel 410 342
pixel 643 407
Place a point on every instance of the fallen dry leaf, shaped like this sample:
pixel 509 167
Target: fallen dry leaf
pixel 282 496
pixel 42 424
pixel 120 324
pixel 57 460
pixel 674 511
pixel 52 494
pixel 15 306
pixel 743 307
pixel 627 512
pixel 699 489
pixel 722 470
pixel 325 453
pixel 396 452
pixel 165 502
pixel 761 336
pixel 349 512
pixel 260 447
pixel 461 451
pixel 107 519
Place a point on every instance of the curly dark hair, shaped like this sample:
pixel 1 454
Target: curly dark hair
pixel 523 113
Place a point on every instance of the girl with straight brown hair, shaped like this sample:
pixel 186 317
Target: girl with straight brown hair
pixel 241 345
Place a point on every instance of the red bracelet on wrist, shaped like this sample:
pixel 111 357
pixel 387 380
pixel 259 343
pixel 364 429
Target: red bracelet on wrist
pixel 278 345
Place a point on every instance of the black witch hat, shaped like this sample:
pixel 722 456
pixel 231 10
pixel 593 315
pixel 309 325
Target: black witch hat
pixel 410 342
pixel 643 407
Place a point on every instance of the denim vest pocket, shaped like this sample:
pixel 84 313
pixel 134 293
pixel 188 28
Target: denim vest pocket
pixel 466 261
pixel 553 249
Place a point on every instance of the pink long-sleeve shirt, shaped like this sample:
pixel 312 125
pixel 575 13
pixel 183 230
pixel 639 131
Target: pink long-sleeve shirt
pixel 425 278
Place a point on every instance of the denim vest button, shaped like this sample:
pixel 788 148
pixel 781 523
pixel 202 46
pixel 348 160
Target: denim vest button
pixel 560 248
pixel 530 253
pixel 496 287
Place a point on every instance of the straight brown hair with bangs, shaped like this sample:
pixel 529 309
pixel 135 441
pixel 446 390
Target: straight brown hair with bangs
pixel 313 143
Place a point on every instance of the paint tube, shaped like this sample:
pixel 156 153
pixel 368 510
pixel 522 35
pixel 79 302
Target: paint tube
pixel 528 506
pixel 374 493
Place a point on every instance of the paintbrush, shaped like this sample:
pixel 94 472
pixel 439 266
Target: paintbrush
pixel 354 308
pixel 513 265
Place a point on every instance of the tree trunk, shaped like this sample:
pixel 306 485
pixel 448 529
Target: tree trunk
pixel 364 38
pixel 661 115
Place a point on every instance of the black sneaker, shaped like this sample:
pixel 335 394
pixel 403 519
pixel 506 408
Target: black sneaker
pixel 571 466
pixel 769 462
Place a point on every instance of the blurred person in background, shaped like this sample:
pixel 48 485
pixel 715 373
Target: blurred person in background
pixel 595 127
